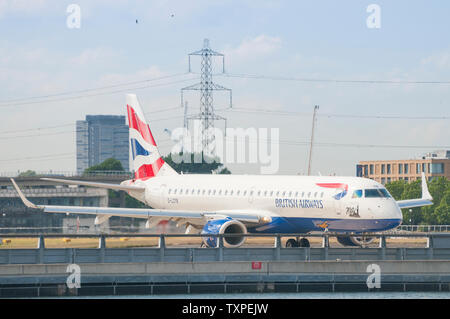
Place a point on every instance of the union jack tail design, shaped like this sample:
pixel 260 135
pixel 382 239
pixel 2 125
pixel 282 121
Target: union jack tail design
pixel 147 162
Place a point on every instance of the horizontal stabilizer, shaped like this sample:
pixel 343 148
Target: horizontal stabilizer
pixel 426 199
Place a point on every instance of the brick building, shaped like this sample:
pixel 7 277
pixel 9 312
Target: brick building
pixel 433 164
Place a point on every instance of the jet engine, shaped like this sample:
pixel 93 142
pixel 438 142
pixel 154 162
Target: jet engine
pixel 354 240
pixel 224 226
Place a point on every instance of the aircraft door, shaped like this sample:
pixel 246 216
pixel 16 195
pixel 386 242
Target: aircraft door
pixel 338 207
pixel 163 196
pixel 251 195
pixel 337 203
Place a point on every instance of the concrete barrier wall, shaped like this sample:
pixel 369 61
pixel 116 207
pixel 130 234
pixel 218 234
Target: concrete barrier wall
pixel 133 255
pixel 221 277
pixel 313 267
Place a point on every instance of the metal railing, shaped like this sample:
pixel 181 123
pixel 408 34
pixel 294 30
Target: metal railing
pixel 437 247
pixel 424 228
pixel 68 174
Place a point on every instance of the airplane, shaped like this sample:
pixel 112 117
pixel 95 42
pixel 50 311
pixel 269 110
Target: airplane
pixel 241 204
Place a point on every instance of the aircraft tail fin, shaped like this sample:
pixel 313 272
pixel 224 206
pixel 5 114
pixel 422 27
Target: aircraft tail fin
pixel 146 159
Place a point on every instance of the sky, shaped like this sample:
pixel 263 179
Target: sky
pixel 383 92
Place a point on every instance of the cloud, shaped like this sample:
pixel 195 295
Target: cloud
pixel 93 55
pixel 258 46
pixel 22 6
pixel 439 60
pixel 142 74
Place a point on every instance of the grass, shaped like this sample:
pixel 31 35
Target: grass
pixel 127 242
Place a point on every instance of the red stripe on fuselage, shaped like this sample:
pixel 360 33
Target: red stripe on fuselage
pixel 136 123
pixel 333 185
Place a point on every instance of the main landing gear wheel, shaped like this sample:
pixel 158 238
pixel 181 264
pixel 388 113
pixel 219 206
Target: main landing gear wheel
pixel 291 243
pixel 303 243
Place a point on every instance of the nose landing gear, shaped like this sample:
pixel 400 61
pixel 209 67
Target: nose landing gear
pixel 291 243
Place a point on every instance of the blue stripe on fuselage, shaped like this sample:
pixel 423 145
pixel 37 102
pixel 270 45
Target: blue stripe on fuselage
pixel 286 225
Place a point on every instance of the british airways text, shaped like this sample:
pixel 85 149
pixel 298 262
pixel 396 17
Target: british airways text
pixel 298 203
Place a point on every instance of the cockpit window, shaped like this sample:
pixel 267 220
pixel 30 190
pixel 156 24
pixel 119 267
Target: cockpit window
pixel 377 192
pixel 357 194
pixel 385 192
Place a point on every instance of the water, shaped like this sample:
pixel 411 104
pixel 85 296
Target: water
pixel 318 295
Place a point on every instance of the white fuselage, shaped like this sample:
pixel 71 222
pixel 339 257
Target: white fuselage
pixel 294 203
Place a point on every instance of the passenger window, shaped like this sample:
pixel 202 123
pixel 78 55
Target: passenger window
pixel 315 194
pixel 231 192
pixel 181 192
pixel 309 194
pixel 290 194
pixel 226 192
pixel 204 191
pixel 296 194
pixel 259 193
pixel 238 192
pixel 220 192
pixel 245 193
pixel 265 193
pixel 284 193
pixel 170 190
pixel 271 193
pixel 214 192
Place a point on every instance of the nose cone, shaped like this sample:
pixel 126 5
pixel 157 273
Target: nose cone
pixel 393 213
pixel 388 214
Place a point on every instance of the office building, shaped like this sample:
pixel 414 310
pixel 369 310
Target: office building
pixel 433 164
pixel 100 137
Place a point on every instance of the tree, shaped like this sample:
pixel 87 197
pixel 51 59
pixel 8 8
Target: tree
pixel 396 188
pixel 27 173
pixel 190 164
pixel 436 214
pixel 110 164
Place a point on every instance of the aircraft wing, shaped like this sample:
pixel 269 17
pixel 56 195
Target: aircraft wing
pixel 94 184
pixel 181 216
pixel 426 199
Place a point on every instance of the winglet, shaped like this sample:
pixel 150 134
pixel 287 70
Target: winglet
pixel 22 196
pixel 425 193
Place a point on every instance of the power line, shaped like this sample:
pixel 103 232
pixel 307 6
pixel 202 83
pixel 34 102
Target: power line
pixel 35 135
pixel 95 94
pixel 333 144
pixel 92 89
pixel 337 115
pixel 66 125
pixel 50 156
pixel 287 78
pixel 37 128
